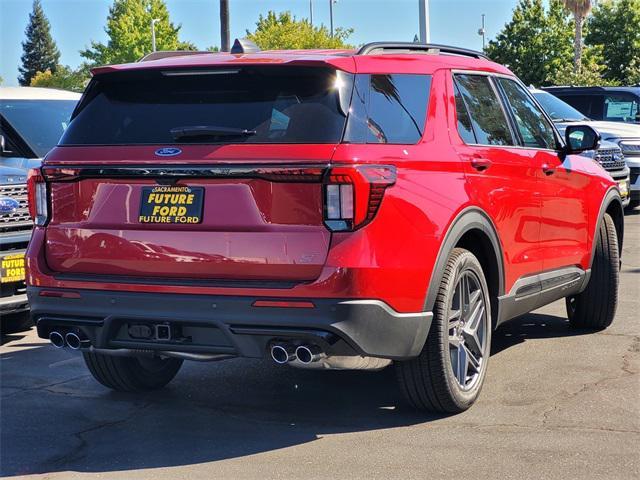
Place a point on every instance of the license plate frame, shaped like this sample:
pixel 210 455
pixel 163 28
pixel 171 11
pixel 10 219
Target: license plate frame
pixel 12 268
pixel 171 205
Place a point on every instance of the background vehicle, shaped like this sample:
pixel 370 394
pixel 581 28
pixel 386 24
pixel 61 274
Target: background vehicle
pixel 331 209
pixel 626 136
pixel 611 104
pixel 31 123
pixel 609 154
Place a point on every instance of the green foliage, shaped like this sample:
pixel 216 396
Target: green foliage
pixel 64 78
pixel 39 51
pixel 536 43
pixel 616 26
pixel 129 31
pixel 282 32
pixel 590 73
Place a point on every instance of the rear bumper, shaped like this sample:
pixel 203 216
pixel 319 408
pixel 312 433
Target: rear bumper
pixel 231 324
pixel 14 304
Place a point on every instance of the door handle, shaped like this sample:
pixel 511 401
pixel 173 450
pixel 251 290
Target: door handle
pixel 548 169
pixel 480 164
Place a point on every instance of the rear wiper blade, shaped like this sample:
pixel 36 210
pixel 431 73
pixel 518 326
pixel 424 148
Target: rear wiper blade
pixel 209 131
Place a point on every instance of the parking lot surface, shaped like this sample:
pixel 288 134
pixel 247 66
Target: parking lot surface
pixel 557 403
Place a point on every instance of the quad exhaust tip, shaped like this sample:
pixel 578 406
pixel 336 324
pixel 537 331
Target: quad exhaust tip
pixel 282 354
pixel 56 339
pixel 74 341
pixel 309 353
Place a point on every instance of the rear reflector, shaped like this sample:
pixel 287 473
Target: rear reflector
pixel 283 304
pixel 56 294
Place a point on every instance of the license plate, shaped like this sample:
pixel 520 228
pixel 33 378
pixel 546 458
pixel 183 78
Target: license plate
pixel 12 268
pixel 171 204
pixel 624 188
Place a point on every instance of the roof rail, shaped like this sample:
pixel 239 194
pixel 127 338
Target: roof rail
pixel 169 53
pixel 433 48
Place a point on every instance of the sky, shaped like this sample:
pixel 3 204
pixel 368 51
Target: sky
pixel 75 23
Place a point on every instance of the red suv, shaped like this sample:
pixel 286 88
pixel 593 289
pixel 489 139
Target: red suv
pixel 331 209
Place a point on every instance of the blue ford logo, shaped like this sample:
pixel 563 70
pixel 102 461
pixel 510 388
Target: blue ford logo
pixel 168 152
pixel 8 206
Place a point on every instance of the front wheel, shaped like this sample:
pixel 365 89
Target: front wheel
pixel 449 373
pixel 595 307
pixel 131 374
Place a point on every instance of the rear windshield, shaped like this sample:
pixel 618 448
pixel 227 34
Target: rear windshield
pixel 240 105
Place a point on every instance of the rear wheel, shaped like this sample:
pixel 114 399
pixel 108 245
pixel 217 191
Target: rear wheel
pixel 448 374
pixel 596 306
pixel 132 374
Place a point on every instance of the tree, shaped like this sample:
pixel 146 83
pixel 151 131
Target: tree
pixel 39 51
pixel 129 31
pixel 579 9
pixel 590 73
pixel 536 43
pixel 64 78
pixel 616 26
pixel 283 31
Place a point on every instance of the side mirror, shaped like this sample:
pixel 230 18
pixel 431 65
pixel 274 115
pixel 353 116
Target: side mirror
pixel 579 138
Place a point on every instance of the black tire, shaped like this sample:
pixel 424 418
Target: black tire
pixel 16 322
pixel 595 307
pixel 633 204
pixel 131 374
pixel 428 381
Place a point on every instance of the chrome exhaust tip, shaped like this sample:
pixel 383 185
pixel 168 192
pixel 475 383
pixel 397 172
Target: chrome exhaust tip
pixel 282 354
pixel 309 353
pixel 74 341
pixel 56 339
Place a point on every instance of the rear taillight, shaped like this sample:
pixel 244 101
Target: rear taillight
pixel 37 197
pixel 353 195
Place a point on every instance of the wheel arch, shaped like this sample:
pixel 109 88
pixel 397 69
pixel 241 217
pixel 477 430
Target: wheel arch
pixel 473 230
pixel 612 205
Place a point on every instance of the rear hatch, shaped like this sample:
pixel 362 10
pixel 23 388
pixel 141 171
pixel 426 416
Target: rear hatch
pixel 197 175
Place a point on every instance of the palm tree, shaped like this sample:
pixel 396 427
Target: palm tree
pixel 579 9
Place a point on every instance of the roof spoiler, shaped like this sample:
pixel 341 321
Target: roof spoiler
pixel 382 48
pixel 169 53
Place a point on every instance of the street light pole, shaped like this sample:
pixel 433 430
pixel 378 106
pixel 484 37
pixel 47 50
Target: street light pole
pixel 482 32
pixel 153 33
pixel 423 18
pixel 311 12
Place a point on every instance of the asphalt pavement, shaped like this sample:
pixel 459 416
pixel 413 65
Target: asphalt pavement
pixel 557 403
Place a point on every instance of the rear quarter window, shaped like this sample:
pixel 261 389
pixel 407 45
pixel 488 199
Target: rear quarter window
pixel 389 108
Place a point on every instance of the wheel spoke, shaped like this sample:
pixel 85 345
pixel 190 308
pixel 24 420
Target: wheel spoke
pixel 472 360
pixel 463 362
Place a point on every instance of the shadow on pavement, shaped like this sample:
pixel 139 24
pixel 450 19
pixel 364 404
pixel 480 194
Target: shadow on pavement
pixel 531 327
pixel 56 418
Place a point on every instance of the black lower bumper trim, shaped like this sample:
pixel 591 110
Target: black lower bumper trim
pixel 231 325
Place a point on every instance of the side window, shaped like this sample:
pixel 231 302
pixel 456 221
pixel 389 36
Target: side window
pixel 535 130
pixel 397 108
pixel 464 121
pixel 487 118
pixel 621 108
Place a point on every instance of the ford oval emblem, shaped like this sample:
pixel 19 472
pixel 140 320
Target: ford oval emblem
pixel 8 206
pixel 168 152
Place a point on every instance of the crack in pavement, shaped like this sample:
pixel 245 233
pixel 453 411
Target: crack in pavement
pixel 79 452
pixel 40 387
pixel 634 348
